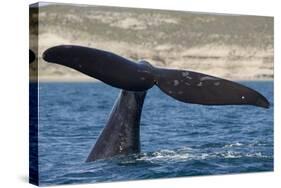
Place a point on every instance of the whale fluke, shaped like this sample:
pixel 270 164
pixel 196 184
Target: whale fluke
pixel 198 88
pixel 121 133
pixel 183 85
pixel 31 56
pixel 105 66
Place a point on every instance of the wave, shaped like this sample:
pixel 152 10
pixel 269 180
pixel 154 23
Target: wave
pixel 188 154
pixel 233 145
pixel 166 155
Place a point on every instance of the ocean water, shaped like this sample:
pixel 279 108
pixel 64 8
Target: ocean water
pixel 177 139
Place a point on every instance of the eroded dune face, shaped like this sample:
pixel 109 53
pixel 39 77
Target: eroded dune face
pixel 231 47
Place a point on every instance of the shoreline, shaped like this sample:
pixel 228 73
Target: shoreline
pixel 66 79
pixel 53 79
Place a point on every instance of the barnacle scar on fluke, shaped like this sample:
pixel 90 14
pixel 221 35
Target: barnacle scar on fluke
pixel 121 135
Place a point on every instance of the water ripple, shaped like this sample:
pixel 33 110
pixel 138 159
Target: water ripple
pixel 177 139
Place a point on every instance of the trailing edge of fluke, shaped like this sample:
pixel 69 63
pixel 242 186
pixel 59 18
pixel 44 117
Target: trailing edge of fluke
pixel 182 85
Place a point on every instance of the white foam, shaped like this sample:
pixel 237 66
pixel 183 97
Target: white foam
pixel 233 145
pixel 167 155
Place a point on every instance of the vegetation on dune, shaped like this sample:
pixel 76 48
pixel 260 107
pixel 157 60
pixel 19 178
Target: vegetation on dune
pixel 223 45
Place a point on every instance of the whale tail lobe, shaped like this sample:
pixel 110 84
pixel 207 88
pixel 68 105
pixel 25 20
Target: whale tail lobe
pixel 31 56
pixel 198 88
pixel 183 85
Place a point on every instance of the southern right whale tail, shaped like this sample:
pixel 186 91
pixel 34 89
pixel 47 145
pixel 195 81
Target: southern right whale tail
pixel 183 85
pixel 121 133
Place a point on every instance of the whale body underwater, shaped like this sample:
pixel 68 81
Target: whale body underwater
pixel 121 134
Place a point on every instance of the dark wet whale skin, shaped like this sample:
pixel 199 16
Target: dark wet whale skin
pixel 121 135
pixel 104 66
pixel 183 85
